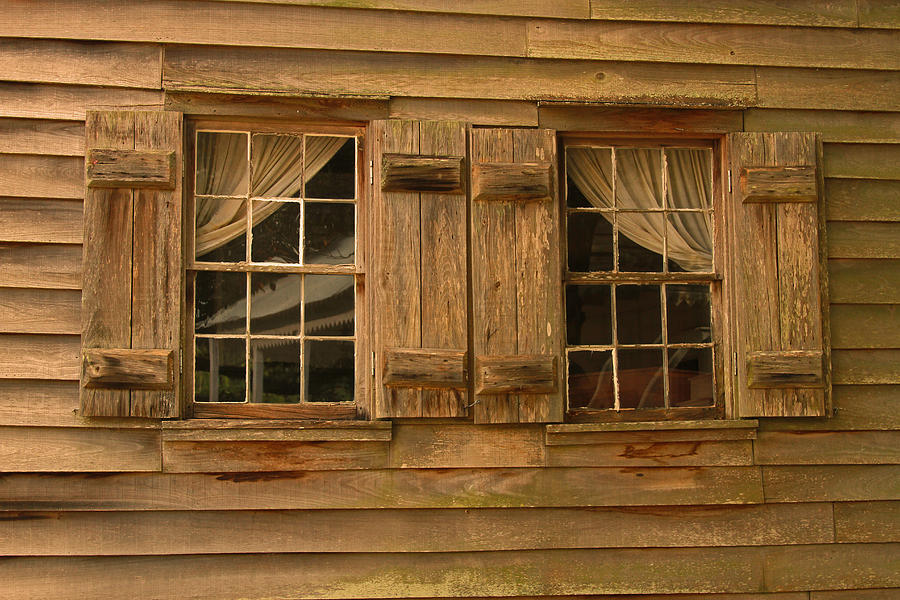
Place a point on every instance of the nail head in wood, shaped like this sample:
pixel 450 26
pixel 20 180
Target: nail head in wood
pixel 153 169
pixel 521 182
pixel 125 368
pixel 432 174
pixel 785 369
pixel 522 374
pixel 424 368
pixel 779 184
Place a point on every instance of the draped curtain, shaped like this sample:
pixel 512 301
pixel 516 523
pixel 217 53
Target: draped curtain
pixel 276 167
pixel 638 182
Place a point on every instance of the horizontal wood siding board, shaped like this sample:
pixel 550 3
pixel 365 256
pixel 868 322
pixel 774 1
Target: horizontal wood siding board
pixel 38 136
pixel 565 116
pixel 40 311
pixel 67 102
pixel 869 594
pixel 26 265
pixel 127 368
pixel 395 488
pixel 832 13
pixel 342 109
pixel 864 281
pixel 865 325
pixel 49 221
pixel 61 449
pixel 80 62
pixel 867 522
pixel 652 454
pixel 862 200
pixel 866 366
pixel 879 13
pixel 130 168
pixel 713 44
pixel 832 566
pixel 831 483
pixel 41 176
pixel 475 111
pixel 40 357
pixel 833 89
pixel 445 446
pixel 864 240
pixel 827 448
pixel 273 71
pixel 832 125
pixel 245 457
pixel 419 530
pixel 862 161
pixel 563 9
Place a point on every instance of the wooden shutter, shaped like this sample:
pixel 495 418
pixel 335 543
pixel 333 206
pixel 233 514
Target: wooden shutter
pixel 778 288
pixel 420 269
pixel 132 290
pixel 516 276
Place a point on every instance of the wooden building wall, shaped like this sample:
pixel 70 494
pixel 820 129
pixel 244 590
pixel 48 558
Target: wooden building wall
pixel 796 510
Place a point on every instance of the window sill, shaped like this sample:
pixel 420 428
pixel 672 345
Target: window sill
pixel 569 434
pixel 246 430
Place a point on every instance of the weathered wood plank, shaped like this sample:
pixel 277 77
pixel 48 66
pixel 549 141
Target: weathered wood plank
pixel 564 116
pixel 862 200
pixel 40 311
pixel 576 434
pixel 866 366
pixel 444 446
pixel 39 356
pixel 410 488
pixel 69 102
pixel 405 173
pixel 867 521
pixel 419 530
pixel 425 368
pixel 831 13
pixel 827 448
pixel 862 161
pixel 832 89
pixel 518 374
pixel 864 281
pixel 857 407
pixel 56 266
pixel 340 109
pixel 60 449
pixel 131 168
pixel 41 176
pixel 38 136
pixel 520 182
pixel 127 368
pixel 238 430
pixel 864 240
pixel 244 457
pixel 650 454
pixel 785 369
pixel 879 13
pixel 563 9
pixel 832 125
pixel 475 111
pixel 365 73
pixel 832 566
pixel 870 594
pixel 81 62
pixel 865 326
pixel 713 44
pixel 779 184
pixel 831 483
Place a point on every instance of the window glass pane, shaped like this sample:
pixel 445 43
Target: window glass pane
pixel 589 177
pixel 639 182
pixel 690 377
pixel 329 371
pixel 329 304
pixel 275 371
pixel 638 314
pixel 329 233
pixel 276 232
pixel 690 241
pixel 641 378
pixel 690 177
pixel 221 230
pixel 221 164
pixel 590 242
pixel 275 304
pixel 219 373
pixel 220 301
pixel 591 379
pixel 330 167
pixel 277 166
pixel 688 313
pixel 588 315
pixel 640 241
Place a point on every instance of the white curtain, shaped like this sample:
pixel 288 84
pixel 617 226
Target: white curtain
pixel 222 171
pixel 639 185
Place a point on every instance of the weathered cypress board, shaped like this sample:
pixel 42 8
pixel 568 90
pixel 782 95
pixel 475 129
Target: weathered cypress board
pixel 865 325
pixel 419 530
pixel 864 281
pixel 56 266
pixel 48 101
pixel 653 454
pixel 832 566
pixel 565 116
pixel 858 407
pixel 864 240
pixel 40 311
pixel 866 366
pixel 879 13
pixel 564 9
pixel 832 125
pixel 39 136
pixel 232 456
pixel 41 176
pixel 41 220
pixel 397 488
pixel 40 356
pixel 475 111
pixel 827 447
pixel 831 13
pixel 344 109
pixel 862 161
pixel 862 200
pixel 713 44
pixel 60 449
pixel 83 63
pixel 867 521
pixel 465 445
pixel 832 89
pixel 831 483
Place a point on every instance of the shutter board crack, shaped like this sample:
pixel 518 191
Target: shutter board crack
pixel 127 368
pixel 108 168
pixel 779 184
pixel 412 173
pixel 521 182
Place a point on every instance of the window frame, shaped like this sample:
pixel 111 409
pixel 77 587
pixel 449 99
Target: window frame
pixel 360 407
pixel 720 323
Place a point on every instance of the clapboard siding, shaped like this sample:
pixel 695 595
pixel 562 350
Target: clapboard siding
pixel 61 449
pixel 40 357
pixel 833 125
pixel 865 325
pixel 67 102
pixel 41 220
pixel 40 311
pixel 33 136
pixel 862 200
pixel 41 176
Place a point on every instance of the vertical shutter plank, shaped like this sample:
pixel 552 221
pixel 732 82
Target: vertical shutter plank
pixel 444 265
pixel 157 262
pixel 106 288
pixel 494 275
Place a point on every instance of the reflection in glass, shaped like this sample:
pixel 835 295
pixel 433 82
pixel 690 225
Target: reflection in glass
pixel 641 378
pixel 277 166
pixel 640 242
pixel 274 304
pixel 220 301
pixel 690 377
pixel 221 231
pixel 590 242
pixel 638 314
pixel 688 313
pixel 639 182
pixel 591 379
pixel 329 370
pixel 219 373
pixel 330 173
pixel 588 315
pixel 690 177
pixel 221 164
pixel 275 371
pixel 589 177
pixel 276 232
pixel 329 233
pixel 689 237
pixel 328 305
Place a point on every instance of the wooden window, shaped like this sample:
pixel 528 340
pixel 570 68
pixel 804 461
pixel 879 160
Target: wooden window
pixel 274 271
